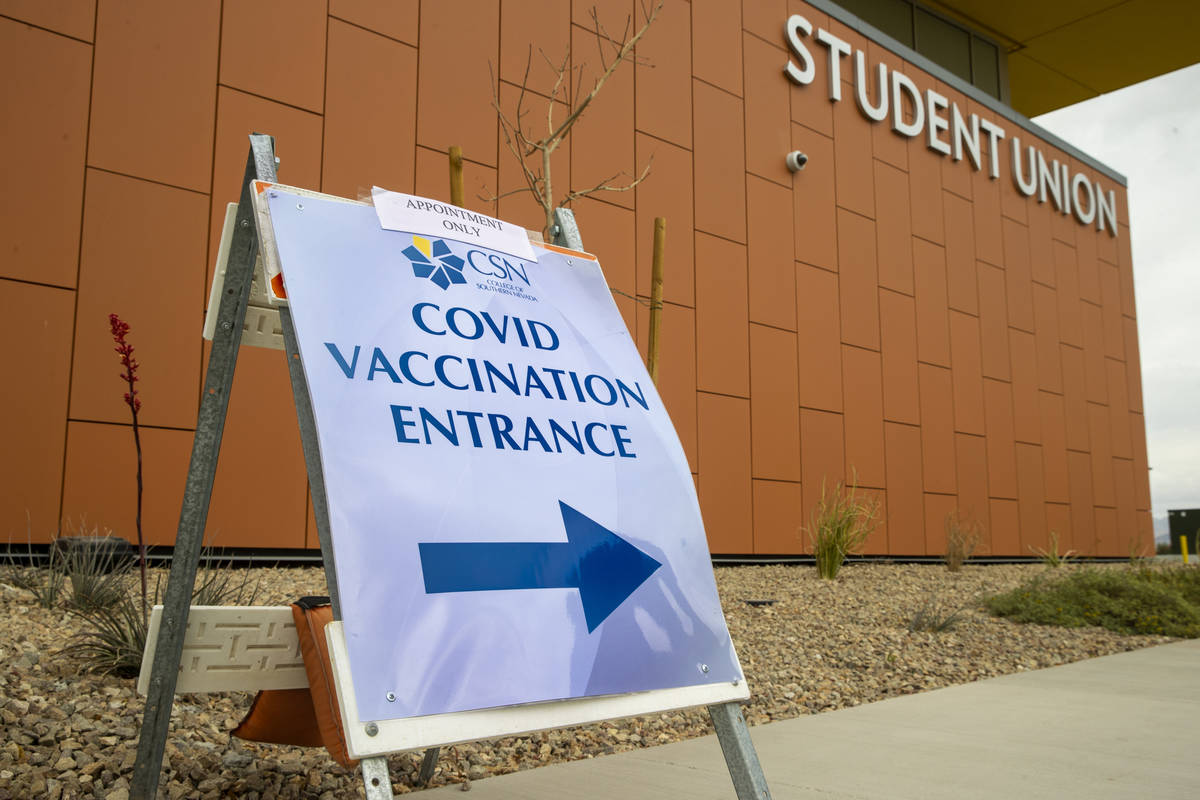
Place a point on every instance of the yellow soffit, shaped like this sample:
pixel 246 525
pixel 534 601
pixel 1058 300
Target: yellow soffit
pixel 1061 52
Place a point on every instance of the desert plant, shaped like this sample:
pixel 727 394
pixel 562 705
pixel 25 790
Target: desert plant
pixel 114 636
pixel 935 616
pixel 1144 601
pixel 120 330
pixel 97 580
pixel 963 536
pixel 839 526
pixel 1049 555
pixel 46 582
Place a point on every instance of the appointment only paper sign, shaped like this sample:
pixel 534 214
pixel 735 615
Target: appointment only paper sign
pixel 512 515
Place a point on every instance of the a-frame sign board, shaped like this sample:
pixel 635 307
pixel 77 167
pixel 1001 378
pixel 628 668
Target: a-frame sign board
pixel 609 617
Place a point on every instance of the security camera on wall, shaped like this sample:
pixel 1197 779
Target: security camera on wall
pixel 796 160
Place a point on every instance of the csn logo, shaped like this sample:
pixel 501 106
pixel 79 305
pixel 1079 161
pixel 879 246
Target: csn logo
pixel 432 259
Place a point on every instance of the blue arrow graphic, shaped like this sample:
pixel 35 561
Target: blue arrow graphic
pixel 605 568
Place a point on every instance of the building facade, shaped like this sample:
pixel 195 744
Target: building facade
pixel 939 305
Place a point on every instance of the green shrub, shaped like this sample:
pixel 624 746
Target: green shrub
pixel 1142 601
pixel 840 526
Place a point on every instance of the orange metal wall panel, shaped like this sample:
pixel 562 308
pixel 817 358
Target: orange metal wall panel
pixel 1049 361
pixel 31 471
pixel 676 370
pixel 43 155
pixel 814 204
pixel 717 36
pixel 297 132
pixel 602 143
pixel 863 375
pixel 772 267
pixel 966 373
pixel 720 161
pixel 1031 495
pixel 822 454
pixel 854 177
pixel 819 328
pixel 535 38
pixel 1027 425
pixel 993 322
pixel 893 229
pixel 888 312
pixel 458 43
pixel 774 404
pixel 663 102
pixel 671 199
pixel 926 205
pixel 901 396
pixel 933 324
pixel 1018 275
pixel 1054 447
pixel 725 496
pixel 261 490
pixel 1041 244
pixel 368 142
pixel 937 429
pixel 778 518
pixel 962 284
pixel 74 18
pixel 906 500
pixel 154 91
pixel 722 333
pixel 143 258
pixel 1002 469
pixel 99 482
pixel 858 281
pixel 971 463
pixel 938 507
pixel 396 19
pixel 768 132
pixel 294 74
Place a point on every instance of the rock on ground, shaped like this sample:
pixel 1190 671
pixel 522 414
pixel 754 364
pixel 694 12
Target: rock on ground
pixel 819 646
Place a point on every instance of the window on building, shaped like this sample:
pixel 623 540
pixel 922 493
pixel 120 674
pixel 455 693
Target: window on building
pixel 945 42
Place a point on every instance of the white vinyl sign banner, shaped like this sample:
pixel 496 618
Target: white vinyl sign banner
pixel 512 514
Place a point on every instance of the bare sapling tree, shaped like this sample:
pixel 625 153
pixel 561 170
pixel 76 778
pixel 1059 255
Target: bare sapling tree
pixel 533 152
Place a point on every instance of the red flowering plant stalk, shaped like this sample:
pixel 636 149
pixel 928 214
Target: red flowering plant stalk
pixel 120 329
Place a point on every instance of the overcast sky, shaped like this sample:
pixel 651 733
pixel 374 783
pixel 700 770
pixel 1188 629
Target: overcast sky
pixel 1149 132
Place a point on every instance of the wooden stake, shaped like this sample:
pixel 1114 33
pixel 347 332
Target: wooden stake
pixel 656 291
pixel 456 175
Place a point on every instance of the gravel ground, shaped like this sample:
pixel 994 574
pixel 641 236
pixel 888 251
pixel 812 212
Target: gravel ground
pixel 820 646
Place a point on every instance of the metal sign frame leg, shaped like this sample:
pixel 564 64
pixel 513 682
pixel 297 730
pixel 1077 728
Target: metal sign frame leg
pixel 206 446
pixel 740 756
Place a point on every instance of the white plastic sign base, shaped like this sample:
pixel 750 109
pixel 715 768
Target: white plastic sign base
pixel 415 733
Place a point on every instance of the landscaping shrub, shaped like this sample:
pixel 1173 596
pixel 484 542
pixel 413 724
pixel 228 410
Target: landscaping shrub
pixel 963 536
pixel 1140 601
pixel 840 526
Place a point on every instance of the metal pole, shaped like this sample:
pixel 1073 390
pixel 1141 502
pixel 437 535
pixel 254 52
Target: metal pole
pixel 656 301
pixel 206 445
pixel 740 756
pixel 456 175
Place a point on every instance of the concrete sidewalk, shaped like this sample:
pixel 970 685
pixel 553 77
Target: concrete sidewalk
pixel 1123 726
